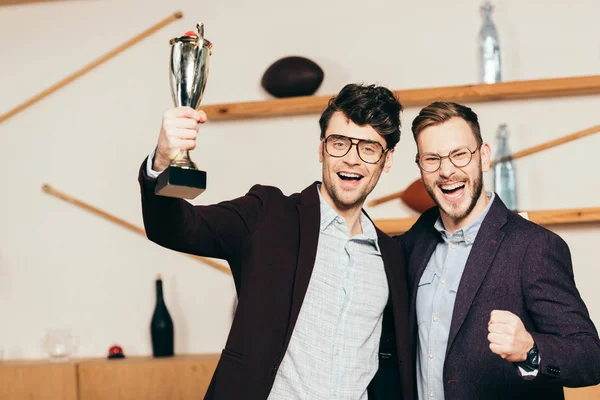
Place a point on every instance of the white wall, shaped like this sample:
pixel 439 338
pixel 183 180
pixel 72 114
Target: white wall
pixel 63 267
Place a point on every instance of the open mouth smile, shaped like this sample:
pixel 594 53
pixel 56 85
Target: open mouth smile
pixel 452 190
pixel 349 179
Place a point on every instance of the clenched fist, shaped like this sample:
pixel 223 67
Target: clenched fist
pixel 178 132
pixel 508 337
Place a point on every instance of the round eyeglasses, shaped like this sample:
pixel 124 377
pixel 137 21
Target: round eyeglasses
pixel 368 150
pixel 431 162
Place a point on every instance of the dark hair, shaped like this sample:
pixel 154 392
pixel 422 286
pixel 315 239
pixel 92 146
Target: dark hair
pixel 440 111
pixel 370 105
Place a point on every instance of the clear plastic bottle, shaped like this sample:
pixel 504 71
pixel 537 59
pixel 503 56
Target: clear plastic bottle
pixel 505 182
pixel 489 48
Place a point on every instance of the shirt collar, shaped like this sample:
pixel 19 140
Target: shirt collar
pixel 468 233
pixel 328 216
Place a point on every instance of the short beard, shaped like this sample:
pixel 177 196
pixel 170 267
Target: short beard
pixel 478 188
pixel 342 206
pixel 337 199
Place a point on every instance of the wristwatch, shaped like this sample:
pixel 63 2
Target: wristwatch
pixel 532 362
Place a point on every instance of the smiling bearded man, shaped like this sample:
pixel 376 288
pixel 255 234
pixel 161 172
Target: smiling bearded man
pixel 496 313
pixel 457 191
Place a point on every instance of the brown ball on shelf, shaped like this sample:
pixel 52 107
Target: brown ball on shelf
pixel 292 76
pixel 416 197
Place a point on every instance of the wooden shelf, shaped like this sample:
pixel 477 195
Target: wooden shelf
pixel 395 226
pixel 515 90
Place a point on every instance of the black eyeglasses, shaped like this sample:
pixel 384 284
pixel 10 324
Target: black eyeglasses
pixel 368 150
pixel 431 162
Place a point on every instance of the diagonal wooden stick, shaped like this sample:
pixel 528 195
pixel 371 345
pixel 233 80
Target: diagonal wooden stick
pixel 90 66
pixel 550 144
pixel 21 2
pixel 69 199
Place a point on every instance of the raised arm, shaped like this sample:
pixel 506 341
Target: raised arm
pixel 218 231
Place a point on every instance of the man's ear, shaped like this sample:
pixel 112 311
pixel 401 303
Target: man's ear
pixel 321 151
pixel 486 156
pixel 389 160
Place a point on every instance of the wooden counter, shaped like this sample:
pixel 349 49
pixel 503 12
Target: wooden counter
pixel 181 377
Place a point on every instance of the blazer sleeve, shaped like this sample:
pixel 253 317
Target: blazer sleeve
pixel 566 337
pixel 217 231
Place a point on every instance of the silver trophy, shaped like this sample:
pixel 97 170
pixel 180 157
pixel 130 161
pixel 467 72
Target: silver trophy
pixel 188 72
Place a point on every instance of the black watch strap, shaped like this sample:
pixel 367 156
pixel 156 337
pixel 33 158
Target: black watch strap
pixel 532 362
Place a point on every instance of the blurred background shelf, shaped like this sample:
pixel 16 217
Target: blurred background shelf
pixel 514 90
pixel 395 226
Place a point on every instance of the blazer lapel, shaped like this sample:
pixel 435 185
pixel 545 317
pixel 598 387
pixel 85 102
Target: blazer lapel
pixel 480 258
pixel 398 291
pixel 309 218
pixel 418 260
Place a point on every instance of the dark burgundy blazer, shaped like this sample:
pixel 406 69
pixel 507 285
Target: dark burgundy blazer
pixel 270 242
pixel 518 266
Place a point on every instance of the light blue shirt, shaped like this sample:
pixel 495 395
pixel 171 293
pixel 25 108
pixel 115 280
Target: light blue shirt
pixel 436 295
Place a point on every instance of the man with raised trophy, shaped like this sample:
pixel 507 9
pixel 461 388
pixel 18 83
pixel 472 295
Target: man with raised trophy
pixel 295 333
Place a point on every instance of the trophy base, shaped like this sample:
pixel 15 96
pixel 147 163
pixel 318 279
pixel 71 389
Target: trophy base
pixel 181 183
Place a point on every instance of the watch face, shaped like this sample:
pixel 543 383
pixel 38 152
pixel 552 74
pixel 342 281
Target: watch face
pixel 532 355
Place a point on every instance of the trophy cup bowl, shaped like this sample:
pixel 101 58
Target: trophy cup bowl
pixel 188 70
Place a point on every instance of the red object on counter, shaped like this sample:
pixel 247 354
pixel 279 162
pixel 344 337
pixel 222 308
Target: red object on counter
pixel 115 352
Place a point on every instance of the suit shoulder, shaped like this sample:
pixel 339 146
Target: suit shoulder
pixel 516 224
pixel 265 190
pixel 429 216
pixel 391 248
pixel 425 220
pixel 272 194
pixel 384 237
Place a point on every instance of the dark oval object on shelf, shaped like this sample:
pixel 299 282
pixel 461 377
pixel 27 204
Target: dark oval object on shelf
pixel 292 76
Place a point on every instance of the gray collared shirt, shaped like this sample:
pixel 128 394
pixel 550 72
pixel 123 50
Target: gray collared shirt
pixel 435 302
pixel 333 352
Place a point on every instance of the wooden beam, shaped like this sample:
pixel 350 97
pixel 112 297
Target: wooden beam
pixel 20 2
pixel 514 90
pixel 395 226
